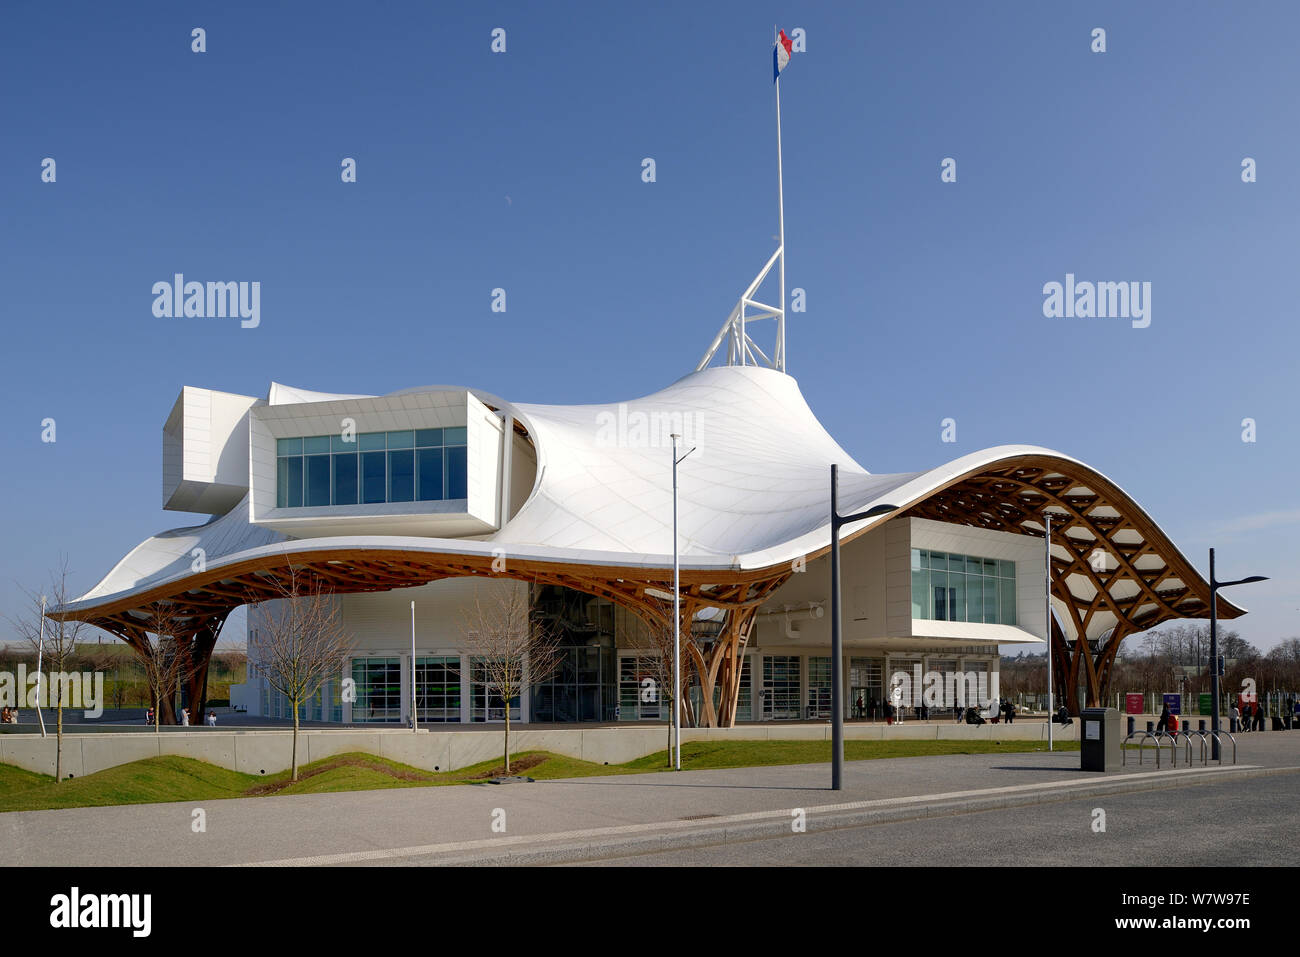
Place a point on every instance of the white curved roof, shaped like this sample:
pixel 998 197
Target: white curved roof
pixel 753 494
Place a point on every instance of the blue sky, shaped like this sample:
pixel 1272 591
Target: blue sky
pixel 522 170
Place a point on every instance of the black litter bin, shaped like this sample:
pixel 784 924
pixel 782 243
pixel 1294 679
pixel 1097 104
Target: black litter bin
pixel 1099 740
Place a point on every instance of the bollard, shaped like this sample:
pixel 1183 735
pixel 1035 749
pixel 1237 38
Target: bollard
pixel 1151 725
pixel 1132 721
pixel 1201 723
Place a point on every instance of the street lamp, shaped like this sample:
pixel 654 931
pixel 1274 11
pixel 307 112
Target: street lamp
pixel 837 639
pixel 677 620
pixel 1215 585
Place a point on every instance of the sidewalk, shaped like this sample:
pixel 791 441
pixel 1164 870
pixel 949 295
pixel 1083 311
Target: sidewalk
pixel 571 820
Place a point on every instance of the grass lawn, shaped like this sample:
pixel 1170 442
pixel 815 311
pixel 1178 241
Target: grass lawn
pixel 174 778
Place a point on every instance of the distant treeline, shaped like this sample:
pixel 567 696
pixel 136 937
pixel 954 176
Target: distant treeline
pixel 124 680
pixel 1175 659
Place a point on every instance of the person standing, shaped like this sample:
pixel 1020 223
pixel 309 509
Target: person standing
pixel 1234 722
pixel 1163 724
pixel 212 719
pixel 185 717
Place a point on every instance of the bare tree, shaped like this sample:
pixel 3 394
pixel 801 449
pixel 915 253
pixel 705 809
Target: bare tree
pixel 510 645
pixel 54 641
pixel 300 643
pixel 163 657
pixel 656 643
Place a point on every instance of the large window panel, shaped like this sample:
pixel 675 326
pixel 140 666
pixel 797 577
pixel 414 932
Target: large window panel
pixel 457 472
pixel 318 480
pixel 401 476
pixel 345 479
pixel 373 478
pixel 428 472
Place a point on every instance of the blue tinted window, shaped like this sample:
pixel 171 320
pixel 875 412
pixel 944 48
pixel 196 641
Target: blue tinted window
pixel 401 440
pixel 288 446
pixel 457 472
pixel 316 444
pixel 427 437
pixel 318 480
pixel 370 441
pixel 429 474
pixel 373 480
pixel 338 444
pixel 345 479
pixel 401 476
pixel 294 489
pixel 453 436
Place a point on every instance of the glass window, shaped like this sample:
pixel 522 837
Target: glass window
pixel 401 440
pixel 345 479
pixel 990 600
pixel 938 560
pixel 401 476
pixel 288 446
pixel 427 437
pixel 378 689
pixel 1007 601
pixel 339 444
pixel 921 594
pixel 437 688
pixel 428 474
pixel 974 566
pixel 990 567
pixel 316 444
pixel 957 597
pixel 457 471
pixel 916 559
pixel 371 441
pixel 318 479
pixel 939 585
pixel 294 480
pixel 373 488
pixel 1007 569
pixel 454 436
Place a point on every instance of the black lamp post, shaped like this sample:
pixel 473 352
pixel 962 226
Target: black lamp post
pixel 837 639
pixel 1215 585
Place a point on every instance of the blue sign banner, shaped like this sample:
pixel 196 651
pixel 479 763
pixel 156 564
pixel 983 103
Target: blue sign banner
pixel 1174 702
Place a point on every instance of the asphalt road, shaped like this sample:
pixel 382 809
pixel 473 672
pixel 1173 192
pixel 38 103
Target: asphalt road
pixel 1225 823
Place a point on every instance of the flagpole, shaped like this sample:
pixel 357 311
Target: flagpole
pixel 780 222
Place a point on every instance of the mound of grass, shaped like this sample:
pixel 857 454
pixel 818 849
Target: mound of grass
pixel 13 780
pixel 175 778
pixel 150 781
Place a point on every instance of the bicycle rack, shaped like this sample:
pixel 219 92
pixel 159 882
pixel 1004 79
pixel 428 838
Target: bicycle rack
pixel 1218 736
pixel 1142 737
pixel 1173 746
pixel 1200 736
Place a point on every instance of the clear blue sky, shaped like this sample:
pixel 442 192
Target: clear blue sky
pixel 522 170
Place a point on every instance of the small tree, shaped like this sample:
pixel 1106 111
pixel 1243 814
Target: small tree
pixel 656 641
pixel 509 646
pixel 163 657
pixel 300 643
pixel 54 642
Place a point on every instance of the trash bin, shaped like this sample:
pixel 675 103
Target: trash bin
pixel 1099 740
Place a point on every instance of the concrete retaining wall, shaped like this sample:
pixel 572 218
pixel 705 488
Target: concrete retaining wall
pixel 266 752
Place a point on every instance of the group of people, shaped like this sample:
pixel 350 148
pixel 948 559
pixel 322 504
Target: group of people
pixel 8 715
pixel 210 720
pixel 1248 718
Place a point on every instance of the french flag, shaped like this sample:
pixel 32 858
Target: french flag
pixel 780 55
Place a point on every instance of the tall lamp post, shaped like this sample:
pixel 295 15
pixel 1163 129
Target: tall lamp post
pixel 1215 585
pixel 837 638
pixel 677 620
pixel 40 653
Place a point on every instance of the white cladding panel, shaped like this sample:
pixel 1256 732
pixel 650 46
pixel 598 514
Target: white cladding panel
pixel 205 451
pixel 380 622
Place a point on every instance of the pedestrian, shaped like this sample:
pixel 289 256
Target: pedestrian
pixel 1163 724
pixel 889 713
pixel 871 709
pixel 212 719
pixel 148 716
pixel 858 710
pixel 1234 723
pixel 185 717
pixel 1259 717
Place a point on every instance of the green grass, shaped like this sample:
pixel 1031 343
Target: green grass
pixel 175 778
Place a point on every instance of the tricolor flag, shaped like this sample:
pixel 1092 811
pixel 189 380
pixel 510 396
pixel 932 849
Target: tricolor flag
pixel 780 55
